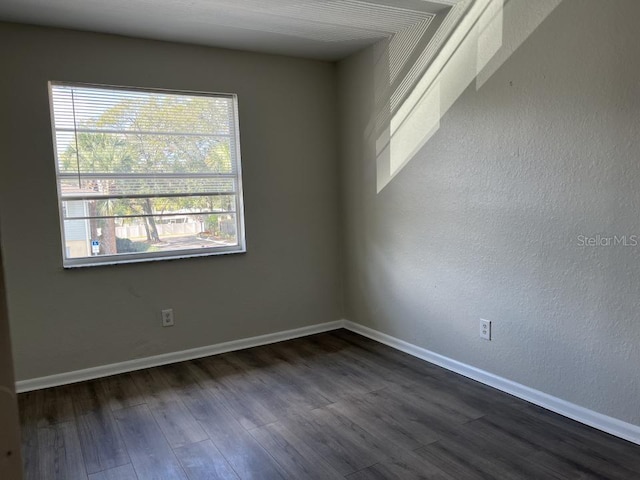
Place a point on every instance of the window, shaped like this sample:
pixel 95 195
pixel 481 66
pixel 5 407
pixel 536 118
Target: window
pixel 146 174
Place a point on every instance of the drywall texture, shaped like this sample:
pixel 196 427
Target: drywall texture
pixel 10 458
pixel 67 320
pixel 485 220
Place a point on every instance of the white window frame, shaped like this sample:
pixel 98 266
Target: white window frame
pixel 122 258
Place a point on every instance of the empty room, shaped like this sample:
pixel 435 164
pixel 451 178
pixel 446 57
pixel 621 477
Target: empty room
pixel 319 239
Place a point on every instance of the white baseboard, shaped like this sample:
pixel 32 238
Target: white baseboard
pixel 173 357
pixel 594 419
pixel 611 425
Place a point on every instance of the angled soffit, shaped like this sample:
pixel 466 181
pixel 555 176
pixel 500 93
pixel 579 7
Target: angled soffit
pixel 320 29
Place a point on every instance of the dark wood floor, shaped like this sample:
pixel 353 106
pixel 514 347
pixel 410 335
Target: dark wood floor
pixel 329 406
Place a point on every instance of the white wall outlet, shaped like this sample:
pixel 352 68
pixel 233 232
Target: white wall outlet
pixel 485 329
pixel 167 317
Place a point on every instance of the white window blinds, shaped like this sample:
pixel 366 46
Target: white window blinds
pixel 130 161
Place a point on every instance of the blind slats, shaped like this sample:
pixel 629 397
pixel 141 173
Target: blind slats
pixel 140 132
pixel 145 174
pixel 156 206
pixel 150 186
pixel 119 143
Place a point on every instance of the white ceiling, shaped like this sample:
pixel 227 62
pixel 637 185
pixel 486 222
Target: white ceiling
pixel 322 29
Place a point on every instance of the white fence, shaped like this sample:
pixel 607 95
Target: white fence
pixel 138 231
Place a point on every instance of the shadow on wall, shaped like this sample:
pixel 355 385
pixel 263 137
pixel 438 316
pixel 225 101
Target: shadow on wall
pixel 421 72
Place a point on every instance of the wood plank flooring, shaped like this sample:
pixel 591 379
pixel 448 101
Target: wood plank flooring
pixel 328 406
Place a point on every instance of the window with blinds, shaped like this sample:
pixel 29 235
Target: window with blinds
pixel 146 174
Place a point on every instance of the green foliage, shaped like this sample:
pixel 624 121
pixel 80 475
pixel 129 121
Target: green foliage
pixel 211 223
pixel 124 245
pixel 100 155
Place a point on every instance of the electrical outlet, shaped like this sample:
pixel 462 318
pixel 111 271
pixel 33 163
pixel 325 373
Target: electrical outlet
pixel 167 317
pixel 485 329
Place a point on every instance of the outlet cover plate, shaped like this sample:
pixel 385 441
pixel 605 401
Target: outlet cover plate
pixel 485 329
pixel 167 317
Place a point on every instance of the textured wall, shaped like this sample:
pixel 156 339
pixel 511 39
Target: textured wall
pixel 68 320
pixel 484 222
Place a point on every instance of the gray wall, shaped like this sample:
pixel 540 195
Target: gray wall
pixel 10 455
pixel 484 221
pixel 67 320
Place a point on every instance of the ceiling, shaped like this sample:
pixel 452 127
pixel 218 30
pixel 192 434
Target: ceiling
pixel 320 29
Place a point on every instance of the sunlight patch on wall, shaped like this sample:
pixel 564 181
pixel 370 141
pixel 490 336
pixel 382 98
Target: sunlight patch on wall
pixel 396 150
pixel 475 49
pixel 524 17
